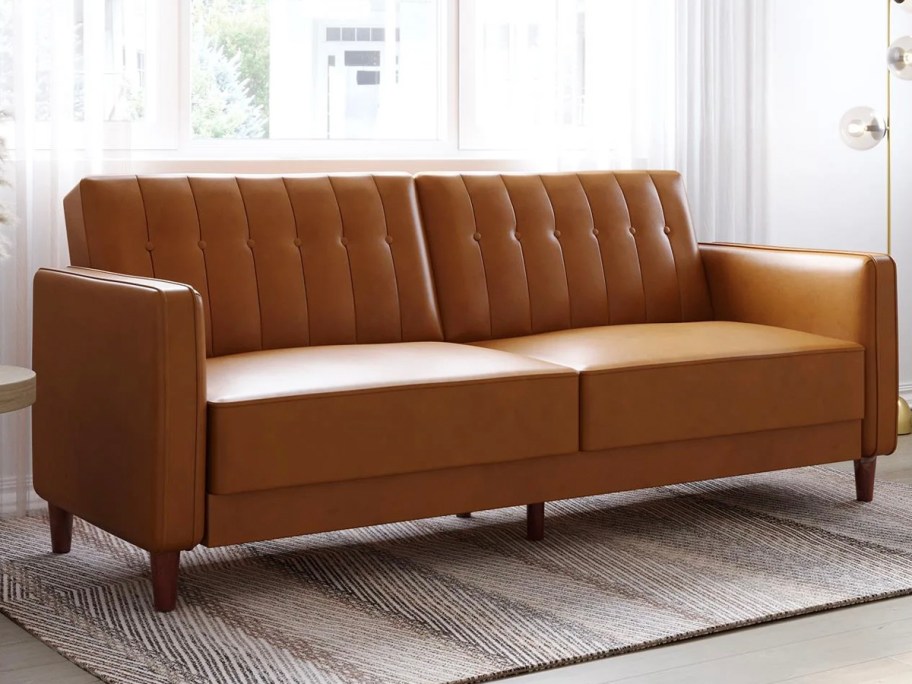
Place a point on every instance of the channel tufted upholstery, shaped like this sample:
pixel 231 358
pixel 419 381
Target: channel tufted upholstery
pixel 233 359
pixel 522 254
pixel 279 262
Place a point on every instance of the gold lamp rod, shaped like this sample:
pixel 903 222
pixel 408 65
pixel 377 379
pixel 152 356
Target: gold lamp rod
pixel 889 137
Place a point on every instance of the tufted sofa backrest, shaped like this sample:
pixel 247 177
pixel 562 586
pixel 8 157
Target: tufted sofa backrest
pixel 316 260
pixel 520 254
pixel 279 262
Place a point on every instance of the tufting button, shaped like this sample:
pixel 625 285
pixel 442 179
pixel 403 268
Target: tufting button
pixel 251 243
pixel 633 231
pixel 344 240
pixel 201 244
pixel 148 246
pixel 517 235
pixel 297 242
pixel 595 231
pixel 557 233
pixel 477 237
pixel 667 230
pixel 389 239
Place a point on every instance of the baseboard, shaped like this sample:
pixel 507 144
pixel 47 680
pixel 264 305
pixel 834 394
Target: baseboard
pixel 8 489
pixel 905 391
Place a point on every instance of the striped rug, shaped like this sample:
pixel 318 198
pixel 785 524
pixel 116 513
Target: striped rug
pixel 452 600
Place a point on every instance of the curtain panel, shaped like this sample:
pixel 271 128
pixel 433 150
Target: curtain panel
pixel 720 115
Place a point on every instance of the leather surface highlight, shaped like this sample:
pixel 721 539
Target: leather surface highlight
pixel 239 518
pixel 845 295
pixel 289 417
pixel 118 430
pixel 279 262
pixel 558 251
pixel 658 382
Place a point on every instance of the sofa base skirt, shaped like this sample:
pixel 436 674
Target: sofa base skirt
pixel 291 511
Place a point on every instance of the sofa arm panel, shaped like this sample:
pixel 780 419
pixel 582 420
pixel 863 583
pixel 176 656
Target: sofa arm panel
pixel 846 295
pixel 118 430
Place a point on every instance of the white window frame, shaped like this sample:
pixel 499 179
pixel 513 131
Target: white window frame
pixel 444 145
pixel 160 131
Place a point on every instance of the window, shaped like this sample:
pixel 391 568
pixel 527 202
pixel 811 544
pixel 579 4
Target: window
pixel 360 78
pixel 63 64
pixel 523 71
pixel 336 70
pixel 569 75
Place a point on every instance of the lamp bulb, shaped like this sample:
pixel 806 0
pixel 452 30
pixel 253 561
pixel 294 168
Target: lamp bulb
pixel 856 129
pixel 862 128
pixel 899 56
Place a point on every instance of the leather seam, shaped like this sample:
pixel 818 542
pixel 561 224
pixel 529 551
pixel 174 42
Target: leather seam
pixel 599 244
pixel 85 232
pixel 389 246
pixel 710 362
pixel 628 445
pixel 351 275
pixel 142 199
pixel 865 256
pixel 126 280
pixel 197 414
pixel 256 279
pixel 636 250
pixel 564 373
pixel 484 267
pixel 674 261
pixel 164 341
pixel 199 231
pixel 294 216
pixel 877 361
pixel 560 248
pixel 522 254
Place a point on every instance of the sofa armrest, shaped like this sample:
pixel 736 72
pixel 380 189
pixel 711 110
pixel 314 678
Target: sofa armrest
pixel 846 295
pixel 118 429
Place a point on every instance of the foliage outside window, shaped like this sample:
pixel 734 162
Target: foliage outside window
pixel 346 69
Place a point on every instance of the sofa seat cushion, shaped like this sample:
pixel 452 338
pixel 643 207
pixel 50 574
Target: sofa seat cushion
pixel 289 417
pixel 658 382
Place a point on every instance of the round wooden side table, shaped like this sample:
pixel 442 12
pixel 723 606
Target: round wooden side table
pixel 17 388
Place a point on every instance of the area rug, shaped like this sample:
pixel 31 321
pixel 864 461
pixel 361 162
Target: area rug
pixel 455 600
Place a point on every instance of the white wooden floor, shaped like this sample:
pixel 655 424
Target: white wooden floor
pixel 857 645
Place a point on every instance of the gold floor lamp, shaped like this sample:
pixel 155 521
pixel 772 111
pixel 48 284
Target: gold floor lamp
pixel 862 128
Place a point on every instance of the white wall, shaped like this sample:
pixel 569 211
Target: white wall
pixel 827 56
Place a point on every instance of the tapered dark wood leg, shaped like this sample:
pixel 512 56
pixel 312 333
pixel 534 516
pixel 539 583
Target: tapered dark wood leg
pixel 61 522
pixel 864 478
pixel 164 579
pixel 535 521
pixel 464 515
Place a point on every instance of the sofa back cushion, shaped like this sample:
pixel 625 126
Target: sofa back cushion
pixel 520 254
pixel 279 262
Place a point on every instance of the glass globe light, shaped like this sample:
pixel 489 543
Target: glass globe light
pixel 862 128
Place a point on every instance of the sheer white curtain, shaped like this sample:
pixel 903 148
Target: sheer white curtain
pixel 720 123
pixel 51 143
pixel 587 84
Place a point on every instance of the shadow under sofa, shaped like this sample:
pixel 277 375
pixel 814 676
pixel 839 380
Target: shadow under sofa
pixel 232 359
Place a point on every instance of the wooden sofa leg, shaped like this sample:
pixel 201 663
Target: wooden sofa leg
pixel 464 515
pixel 61 523
pixel 864 478
pixel 164 579
pixel 535 521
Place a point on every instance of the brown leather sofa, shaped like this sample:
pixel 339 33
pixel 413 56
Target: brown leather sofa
pixel 237 359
